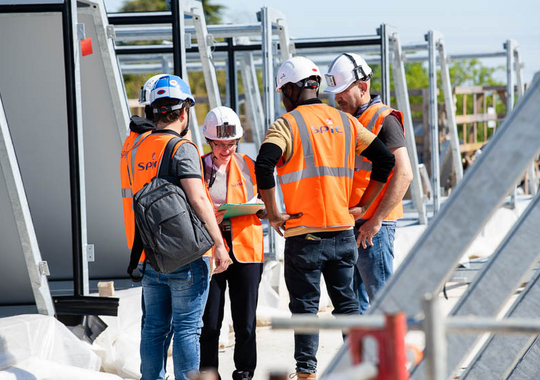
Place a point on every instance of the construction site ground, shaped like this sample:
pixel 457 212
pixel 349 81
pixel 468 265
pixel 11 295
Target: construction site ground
pixel 35 346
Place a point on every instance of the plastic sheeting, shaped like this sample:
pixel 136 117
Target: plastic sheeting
pixel 37 347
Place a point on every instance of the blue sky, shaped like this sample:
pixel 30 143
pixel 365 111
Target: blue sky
pixel 468 26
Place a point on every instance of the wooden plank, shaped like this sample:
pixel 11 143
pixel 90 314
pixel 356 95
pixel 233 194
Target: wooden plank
pixel 472 147
pixel 476 118
pixel 478 89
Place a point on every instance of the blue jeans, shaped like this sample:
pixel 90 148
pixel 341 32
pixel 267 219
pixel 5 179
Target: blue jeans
pixel 180 297
pixel 332 254
pixel 166 343
pixel 375 264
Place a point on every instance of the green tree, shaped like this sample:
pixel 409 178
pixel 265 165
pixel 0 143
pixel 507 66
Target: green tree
pixel 133 82
pixel 212 12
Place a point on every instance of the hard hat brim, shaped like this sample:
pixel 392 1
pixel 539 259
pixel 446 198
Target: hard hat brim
pixel 337 89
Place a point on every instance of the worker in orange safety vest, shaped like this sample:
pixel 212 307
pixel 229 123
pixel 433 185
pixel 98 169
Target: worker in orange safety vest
pixel 314 147
pixel 177 298
pixel 349 79
pixel 230 177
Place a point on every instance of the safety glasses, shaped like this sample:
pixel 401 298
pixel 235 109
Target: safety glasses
pixel 224 146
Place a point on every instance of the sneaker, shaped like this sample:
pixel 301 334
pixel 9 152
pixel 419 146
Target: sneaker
pixel 241 375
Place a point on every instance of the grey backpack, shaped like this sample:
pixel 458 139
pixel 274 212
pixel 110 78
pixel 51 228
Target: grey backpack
pixel 172 235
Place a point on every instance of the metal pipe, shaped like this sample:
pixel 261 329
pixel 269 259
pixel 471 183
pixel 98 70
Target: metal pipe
pixel 129 34
pixel 435 336
pixel 510 46
pixel 482 325
pixel 368 40
pixel 402 97
pixel 385 65
pixel 433 121
pixel 233 93
pixel 450 111
pixel 311 323
pixel 74 173
pixel 176 37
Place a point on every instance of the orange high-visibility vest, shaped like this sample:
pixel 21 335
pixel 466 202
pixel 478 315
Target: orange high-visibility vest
pixel 247 231
pixel 127 163
pixel 373 119
pixel 146 162
pixel 317 180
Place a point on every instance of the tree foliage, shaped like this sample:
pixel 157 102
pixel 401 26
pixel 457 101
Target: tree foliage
pixel 144 6
pixel 212 12
pixel 462 73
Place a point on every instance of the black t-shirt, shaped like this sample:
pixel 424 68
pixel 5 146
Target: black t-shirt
pixel 391 133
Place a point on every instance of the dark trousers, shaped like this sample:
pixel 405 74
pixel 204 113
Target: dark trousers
pixel 243 280
pixel 307 257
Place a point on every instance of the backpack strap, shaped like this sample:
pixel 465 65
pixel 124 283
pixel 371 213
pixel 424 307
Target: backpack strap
pixel 165 164
pixel 136 250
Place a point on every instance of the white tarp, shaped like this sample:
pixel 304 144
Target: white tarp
pixel 37 347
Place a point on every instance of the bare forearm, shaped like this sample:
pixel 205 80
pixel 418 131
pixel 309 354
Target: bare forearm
pixel 397 185
pixel 395 191
pixel 269 198
pixel 204 211
pixel 195 193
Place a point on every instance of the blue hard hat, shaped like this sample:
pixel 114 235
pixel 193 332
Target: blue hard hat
pixel 171 86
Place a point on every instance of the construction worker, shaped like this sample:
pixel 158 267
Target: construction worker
pixel 139 129
pixel 230 177
pixel 314 146
pixel 349 79
pixel 179 296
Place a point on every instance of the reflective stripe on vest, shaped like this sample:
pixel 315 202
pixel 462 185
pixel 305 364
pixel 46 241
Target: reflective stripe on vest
pixel 247 232
pixel 311 170
pixel 322 168
pixel 360 163
pixel 136 145
pixel 126 176
pixel 373 120
pixel 363 168
pixel 246 175
pixel 127 193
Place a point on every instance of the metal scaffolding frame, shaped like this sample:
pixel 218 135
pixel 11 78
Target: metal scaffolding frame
pixel 402 97
pixel 499 278
pixel 182 12
pixel 483 189
pixel 37 268
pixel 513 357
pixel 437 53
pixel 72 33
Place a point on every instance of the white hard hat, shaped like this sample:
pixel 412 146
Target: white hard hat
pixel 221 124
pixel 144 92
pixel 294 70
pixel 346 69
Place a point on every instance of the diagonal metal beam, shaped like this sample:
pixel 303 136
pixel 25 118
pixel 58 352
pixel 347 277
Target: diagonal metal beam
pixel 466 211
pixel 501 357
pixel 494 285
pixel 402 96
pixel 37 268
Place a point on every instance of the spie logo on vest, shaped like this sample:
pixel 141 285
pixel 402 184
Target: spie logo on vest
pixel 327 128
pixel 239 183
pixel 148 165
